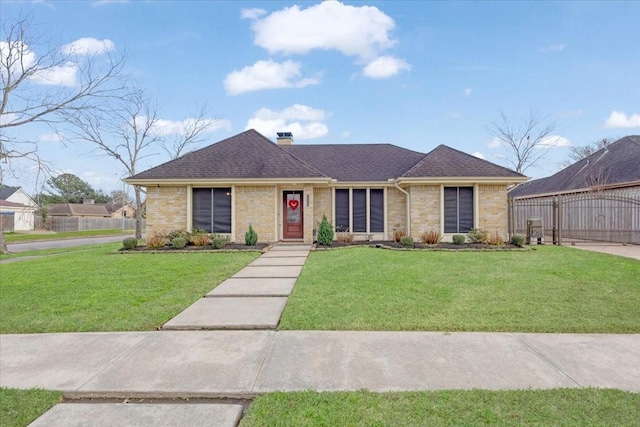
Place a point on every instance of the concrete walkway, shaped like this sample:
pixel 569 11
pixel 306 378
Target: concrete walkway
pixel 628 251
pixel 253 298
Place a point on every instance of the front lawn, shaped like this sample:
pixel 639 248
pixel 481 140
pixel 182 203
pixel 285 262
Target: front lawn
pixel 18 237
pixel 559 407
pixel 549 289
pixel 19 408
pixel 98 290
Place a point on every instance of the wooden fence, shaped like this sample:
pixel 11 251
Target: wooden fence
pixel 579 218
pixel 55 223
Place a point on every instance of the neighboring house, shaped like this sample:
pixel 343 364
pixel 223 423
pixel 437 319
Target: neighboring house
pixel 594 199
pixel 116 210
pixel 16 203
pixel 283 190
pixel 82 210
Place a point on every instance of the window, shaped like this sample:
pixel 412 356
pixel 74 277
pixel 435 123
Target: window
pixel 351 210
pixel 212 209
pixel 458 209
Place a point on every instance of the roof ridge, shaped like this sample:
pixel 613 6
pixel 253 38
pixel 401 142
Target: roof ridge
pixel 298 159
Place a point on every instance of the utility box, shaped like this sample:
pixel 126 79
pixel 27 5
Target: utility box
pixel 534 230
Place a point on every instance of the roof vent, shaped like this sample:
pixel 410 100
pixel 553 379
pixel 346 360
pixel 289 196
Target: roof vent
pixel 285 138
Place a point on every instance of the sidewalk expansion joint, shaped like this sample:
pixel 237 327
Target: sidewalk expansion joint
pixel 266 354
pixel 546 359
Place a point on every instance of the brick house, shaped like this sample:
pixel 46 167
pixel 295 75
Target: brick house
pixel 283 190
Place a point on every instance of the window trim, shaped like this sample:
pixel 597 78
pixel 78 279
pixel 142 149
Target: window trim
pixel 190 207
pixel 475 206
pixel 367 208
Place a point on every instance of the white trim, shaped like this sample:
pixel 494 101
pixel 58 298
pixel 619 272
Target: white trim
pixel 233 213
pixel 189 208
pixel 476 206
pixel 275 213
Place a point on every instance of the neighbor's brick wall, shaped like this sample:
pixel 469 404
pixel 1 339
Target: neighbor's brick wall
pixel 425 208
pixel 396 210
pixel 255 205
pixel 166 209
pixel 493 209
pixel 322 205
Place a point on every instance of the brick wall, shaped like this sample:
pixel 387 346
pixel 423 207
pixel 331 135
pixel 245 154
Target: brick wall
pixel 166 209
pixel 493 209
pixel 255 205
pixel 322 205
pixel 425 208
pixel 396 210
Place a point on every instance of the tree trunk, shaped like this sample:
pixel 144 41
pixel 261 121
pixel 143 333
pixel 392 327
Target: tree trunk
pixel 136 190
pixel 3 244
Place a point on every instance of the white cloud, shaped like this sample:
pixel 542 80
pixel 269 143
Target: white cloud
pixel 618 119
pixel 345 134
pixel 88 46
pixel 478 155
pixel 303 121
pixel 26 57
pixel 553 48
pixel 384 67
pixel 169 127
pixel 8 118
pixel 553 141
pixel 63 75
pixel 361 31
pixel 252 14
pixel 105 2
pixel 50 137
pixel 467 91
pixel 267 75
pixel 494 143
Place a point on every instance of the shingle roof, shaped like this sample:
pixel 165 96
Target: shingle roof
pixel 6 203
pixel 444 161
pixel 78 209
pixel 616 164
pixel 6 192
pixel 251 155
pixel 357 162
pixel 246 155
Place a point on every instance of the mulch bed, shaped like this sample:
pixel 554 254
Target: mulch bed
pixel 191 248
pixel 440 246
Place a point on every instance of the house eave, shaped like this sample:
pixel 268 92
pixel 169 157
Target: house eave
pixel 615 186
pixel 226 181
pixel 461 180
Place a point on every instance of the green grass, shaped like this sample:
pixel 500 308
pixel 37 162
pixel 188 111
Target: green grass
pixel 550 289
pixel 17 237
pixel 99 290
pixel 18 408
pixel 568 407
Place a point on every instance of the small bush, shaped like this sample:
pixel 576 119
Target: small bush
pixel 199 240
pixel 344 237
pixel 178 242
pixel 177 233
pixel 430 237
pixel 156 241
pixel 518 240
pixel 406 241
pixel 477 235
pixel 130 243
pixel 399 233
pixel 195 231
pixel 459 239
pixel 218 242
pixel 250 237
pixel 495 240
pixel 325 232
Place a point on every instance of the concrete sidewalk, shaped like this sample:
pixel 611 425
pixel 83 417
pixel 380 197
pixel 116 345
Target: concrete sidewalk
pixel 628 251
pixel 246 363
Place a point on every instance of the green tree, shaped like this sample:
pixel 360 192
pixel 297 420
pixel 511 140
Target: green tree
pixel 68 188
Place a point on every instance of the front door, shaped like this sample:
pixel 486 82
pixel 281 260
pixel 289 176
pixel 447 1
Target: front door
pixel 293 219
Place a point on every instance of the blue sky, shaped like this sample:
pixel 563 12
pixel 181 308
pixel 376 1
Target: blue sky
pixel 412 73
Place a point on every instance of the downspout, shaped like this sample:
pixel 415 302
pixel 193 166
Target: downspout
pixel 408 207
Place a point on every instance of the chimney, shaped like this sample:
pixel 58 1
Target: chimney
pixel 285 138
pixel 88 201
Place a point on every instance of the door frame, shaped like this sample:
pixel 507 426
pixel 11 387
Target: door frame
pixel 283 209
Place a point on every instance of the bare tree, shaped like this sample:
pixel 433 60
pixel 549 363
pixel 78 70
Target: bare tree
pixel 577 153
pixel 527 141
pixel 32 93
pixel 177 141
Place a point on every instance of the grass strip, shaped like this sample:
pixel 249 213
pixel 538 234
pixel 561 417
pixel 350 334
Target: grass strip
pixel 19 408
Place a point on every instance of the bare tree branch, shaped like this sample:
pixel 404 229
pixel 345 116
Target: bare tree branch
pixel 526 142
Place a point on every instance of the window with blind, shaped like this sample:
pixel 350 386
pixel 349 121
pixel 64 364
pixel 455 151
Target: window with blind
pixel 458 209
pixel 352 209
pixel 212 209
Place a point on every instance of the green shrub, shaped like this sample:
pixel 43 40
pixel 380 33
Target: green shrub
pixel 250 237
pixel 518 240
pixel 325 232
pixel 178 242
pixel 177 233
pixel 156 241
pixel 130 243
pixel 477 235
pixel 430 237
pixel 406 241
pixel 196 231
pixel 218 242
pixel 459 239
